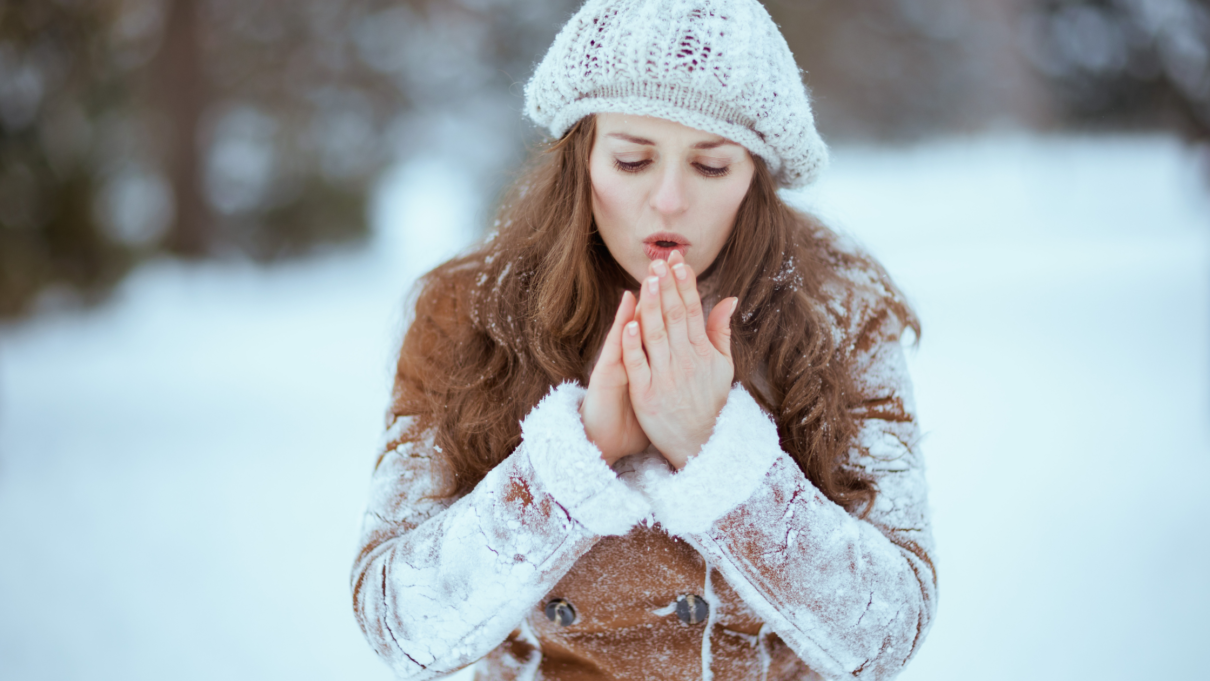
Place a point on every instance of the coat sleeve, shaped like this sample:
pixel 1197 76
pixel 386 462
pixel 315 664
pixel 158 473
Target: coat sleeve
pixel 853 597
pixel 440 583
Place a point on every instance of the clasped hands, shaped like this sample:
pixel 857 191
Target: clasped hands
pixel 664 372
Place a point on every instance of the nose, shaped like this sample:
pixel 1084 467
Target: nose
pixel 671 195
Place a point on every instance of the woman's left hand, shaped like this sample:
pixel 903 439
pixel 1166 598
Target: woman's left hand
pixel 678 363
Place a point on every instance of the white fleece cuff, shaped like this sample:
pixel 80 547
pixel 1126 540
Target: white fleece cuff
pixel 728 470
pixel 571 470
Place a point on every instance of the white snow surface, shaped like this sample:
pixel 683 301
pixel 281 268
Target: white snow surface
pixel 183 470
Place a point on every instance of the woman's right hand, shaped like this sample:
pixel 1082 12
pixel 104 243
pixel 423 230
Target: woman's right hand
pixel 608 416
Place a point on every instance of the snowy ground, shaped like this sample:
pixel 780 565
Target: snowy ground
pixel 182 471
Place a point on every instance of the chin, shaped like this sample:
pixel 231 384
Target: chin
pixel 641 274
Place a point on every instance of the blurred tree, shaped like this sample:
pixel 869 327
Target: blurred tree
pixel 900 69
pixel 275 121
pixel 181 93
pixel 60 79
pixel 1114 63
pixel 467 62
pixel 255 128
pixel 202 127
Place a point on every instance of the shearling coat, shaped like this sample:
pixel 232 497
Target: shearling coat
pixel 794 586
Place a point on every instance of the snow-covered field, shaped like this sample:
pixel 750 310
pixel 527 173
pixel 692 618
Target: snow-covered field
pixel 182 471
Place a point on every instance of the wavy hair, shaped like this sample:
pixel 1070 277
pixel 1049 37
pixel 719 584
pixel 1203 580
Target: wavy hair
pixel 494 329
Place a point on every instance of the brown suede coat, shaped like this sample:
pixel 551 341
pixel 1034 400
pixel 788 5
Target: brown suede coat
pixel 618 589
pixel 797 588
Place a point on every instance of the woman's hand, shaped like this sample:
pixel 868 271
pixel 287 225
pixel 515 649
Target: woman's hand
pixel 678 363
pixel 609 420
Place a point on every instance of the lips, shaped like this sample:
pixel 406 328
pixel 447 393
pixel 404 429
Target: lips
pixel 660 245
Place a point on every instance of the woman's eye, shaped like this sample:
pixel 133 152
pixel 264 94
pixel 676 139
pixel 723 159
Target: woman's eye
pixel 710 171
pixel 630 167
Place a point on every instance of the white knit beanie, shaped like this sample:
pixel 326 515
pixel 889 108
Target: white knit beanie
pixel 720 66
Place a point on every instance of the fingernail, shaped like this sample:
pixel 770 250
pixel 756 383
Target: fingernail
pixel 653 284
pixel 660 269
pixel 679 270
pixel 632 328
pixel 734 304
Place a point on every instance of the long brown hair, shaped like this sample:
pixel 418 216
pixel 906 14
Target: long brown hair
pixel 496 328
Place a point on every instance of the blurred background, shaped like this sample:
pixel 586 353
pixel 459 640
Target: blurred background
pixel 211 212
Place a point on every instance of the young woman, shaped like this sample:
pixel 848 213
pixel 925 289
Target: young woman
pixel 658 425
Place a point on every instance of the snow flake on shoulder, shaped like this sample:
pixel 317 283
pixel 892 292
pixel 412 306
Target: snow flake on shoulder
pixel 862 302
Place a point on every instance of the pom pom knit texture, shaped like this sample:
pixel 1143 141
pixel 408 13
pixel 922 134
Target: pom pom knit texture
pixel 720 66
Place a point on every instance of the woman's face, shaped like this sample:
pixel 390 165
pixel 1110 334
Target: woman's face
pixel 659 187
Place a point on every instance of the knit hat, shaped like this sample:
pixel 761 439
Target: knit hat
pixel 720 66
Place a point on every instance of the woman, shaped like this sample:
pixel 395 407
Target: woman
pixel 658 426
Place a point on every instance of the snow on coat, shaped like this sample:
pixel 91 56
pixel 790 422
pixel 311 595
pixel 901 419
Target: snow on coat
pixel 796 587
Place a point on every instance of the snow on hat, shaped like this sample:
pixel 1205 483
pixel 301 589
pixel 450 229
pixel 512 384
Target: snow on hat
pixel 720 66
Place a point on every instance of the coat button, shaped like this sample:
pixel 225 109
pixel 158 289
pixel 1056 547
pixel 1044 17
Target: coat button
pixel 560 612
pixel 692 609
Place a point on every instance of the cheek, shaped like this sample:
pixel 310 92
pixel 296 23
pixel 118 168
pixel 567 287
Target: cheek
pixel 609 200
pixel 613 206
pixel 718 210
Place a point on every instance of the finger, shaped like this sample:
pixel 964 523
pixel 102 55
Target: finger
pixel 637 370
pixel 718 327
pixel 611 352
pixel 651 324
pixel 695 318
pixel 673 308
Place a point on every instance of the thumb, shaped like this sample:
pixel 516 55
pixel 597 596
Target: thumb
pixel 718 326
pixel 611 352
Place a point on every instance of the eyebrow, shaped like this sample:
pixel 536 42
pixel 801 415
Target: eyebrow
pixel 700 145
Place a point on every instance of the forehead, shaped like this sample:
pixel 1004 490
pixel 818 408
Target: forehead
pixel 646 130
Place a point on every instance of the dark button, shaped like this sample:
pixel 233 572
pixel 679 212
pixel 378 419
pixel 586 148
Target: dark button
pixel 560 612
pixel 691 609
